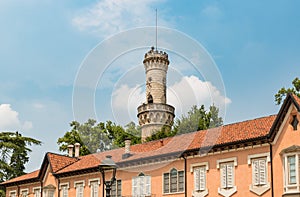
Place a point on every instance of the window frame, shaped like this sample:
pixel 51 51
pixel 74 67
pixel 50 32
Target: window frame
pixel 35 189
pixel 76 183
pixel 178 181
pixel 259 188
pixel 62 186
pixel 227 164
pixel 145 189
pixel 13 192
pixel 288 187
pixel 118 188
pixel 24 190
pixel 202 191
pixel 92 183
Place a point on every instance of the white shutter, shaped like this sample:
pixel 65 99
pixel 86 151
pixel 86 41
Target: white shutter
pixel 202 179
pixel 142 185
pixel 135 186
pixel 148 185
pixel 255 174
pixel 223 176
pixel 230 175
pixel 262 171
pixel 196 179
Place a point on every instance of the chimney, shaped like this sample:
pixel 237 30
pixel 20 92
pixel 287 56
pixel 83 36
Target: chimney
pixel 70 150
pixel 127 145
pixel 77 147
pixel 161 142
pixel 127 149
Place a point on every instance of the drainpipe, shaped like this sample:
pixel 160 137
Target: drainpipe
pixel 18 190
pixel 271 160
pixel 185 176
pixel 58 182
pixel 41 188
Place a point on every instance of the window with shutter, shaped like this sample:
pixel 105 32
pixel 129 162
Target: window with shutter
pixel 166 183
pixel 116 189
pixel 12 194
pixel 141 185
pixel 292 170
pixel 199 178
pixel 79 189
pixel 64 190
pixel 227 175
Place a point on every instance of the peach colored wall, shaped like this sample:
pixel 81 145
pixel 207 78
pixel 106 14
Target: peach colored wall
pixel 287 138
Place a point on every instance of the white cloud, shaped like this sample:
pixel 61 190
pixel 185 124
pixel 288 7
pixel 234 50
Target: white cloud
pixel 9 119
pixel 108 17
pixel 182 95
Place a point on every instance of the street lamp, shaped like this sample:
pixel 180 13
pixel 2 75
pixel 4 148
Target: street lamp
pixel 106 165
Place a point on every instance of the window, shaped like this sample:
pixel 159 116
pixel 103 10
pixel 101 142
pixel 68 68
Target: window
pixel 12 194
pixel 116 189
pixel 227 183
pixel 227 175
pixel 291 159
pixel 64 187
pixel 94 188
pixel 173 181
pixel 49 190
pixel 141 185
pixel 79 185
pixel 259 166
pixel 37 192
pixel 199 171
pixel 24 193
pixel 291 169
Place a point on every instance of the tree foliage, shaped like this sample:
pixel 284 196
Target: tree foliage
pixel 14 149
pixel 97 137
pixel 280 95
pixel 198 119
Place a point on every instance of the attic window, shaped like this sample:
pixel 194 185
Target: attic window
pixel 294 122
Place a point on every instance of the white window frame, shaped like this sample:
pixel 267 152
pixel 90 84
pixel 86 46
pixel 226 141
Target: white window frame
pixel 13 192
pixel 259 159
pixel 35 189
pixel 24 190
pixel 225 165
pixel 291 188
pixel 62 186
pixel 76 183
pixel 200 168
pixel 141 185
pixel 92 184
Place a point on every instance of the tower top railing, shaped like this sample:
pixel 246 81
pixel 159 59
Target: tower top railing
pixel 156 55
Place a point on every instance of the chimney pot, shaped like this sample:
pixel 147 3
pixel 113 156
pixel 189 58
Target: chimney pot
pixel 77 147
pixel 70 150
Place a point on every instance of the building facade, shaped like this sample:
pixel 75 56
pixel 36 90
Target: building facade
pixel 259 157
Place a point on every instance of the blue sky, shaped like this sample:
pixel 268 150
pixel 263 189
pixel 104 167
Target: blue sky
pixel 43 44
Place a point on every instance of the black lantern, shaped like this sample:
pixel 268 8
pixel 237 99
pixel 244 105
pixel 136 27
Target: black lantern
pixel 107 165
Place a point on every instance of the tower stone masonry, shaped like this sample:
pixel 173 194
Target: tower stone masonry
pixel 155 112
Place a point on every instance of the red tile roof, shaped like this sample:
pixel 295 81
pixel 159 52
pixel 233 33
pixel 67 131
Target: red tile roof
pixel 251 129
pixel 58 162
pixel 296 98
pixel 28 176
pixel 241 131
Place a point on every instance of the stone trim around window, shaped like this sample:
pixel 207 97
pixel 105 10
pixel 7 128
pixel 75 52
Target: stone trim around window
pixel 63 184
pixel 227 192
pixel 202 193
pixel 79 182
pixel 259 189
pixel 13 192
pixel 94 180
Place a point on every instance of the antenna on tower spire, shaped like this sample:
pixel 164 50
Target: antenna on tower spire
pixel 156 30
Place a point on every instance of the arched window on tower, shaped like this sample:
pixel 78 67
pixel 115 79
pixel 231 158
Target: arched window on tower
pixel 150 99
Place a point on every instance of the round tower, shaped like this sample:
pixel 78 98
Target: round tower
pixel 155 113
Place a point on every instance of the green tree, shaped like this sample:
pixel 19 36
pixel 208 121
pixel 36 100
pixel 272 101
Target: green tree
pixel 14 149
pixel 280 95
pixel 198 119
pixel 97 137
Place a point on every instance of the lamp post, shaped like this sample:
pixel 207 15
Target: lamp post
pixel 106 165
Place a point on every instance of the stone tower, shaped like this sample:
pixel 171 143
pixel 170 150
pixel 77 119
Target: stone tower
pixel 155 113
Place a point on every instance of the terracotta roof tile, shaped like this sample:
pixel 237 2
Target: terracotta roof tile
pixel 296 98
pixel 24 177
pixel 236 132
pixel 58 162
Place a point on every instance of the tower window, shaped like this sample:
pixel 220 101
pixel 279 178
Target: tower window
pixel 294 122
pixel 150 99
